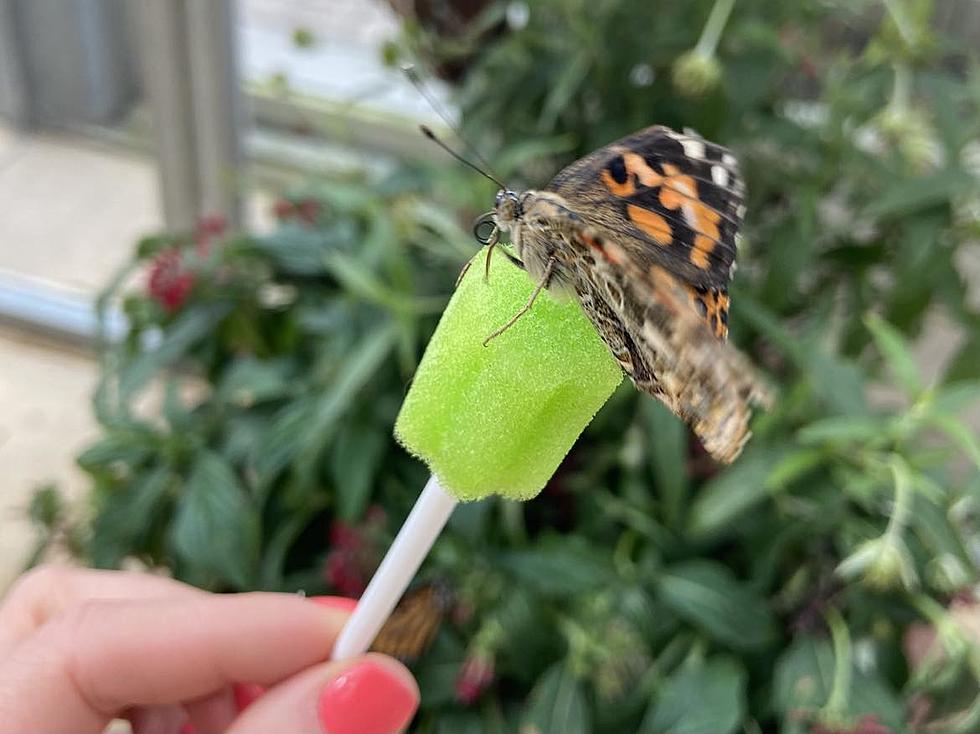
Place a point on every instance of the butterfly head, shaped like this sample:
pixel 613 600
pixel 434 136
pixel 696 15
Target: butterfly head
pixel 507 208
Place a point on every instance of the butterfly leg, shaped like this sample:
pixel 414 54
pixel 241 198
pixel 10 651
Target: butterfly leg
pixel 486 274
pixel 462 273
pixel 492 242
pixel 542 284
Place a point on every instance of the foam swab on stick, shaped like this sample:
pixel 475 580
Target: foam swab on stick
pixel 487 420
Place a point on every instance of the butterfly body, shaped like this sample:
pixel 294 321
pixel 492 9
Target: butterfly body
pixel 643 233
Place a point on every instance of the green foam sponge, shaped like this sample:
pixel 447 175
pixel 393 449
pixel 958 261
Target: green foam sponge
pixel 498 419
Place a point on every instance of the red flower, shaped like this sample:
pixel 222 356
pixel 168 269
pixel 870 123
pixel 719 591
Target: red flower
pixel 344 574
pixel 169 283
pixel 212 224
pixel 209 227
pixel 344 537
pixel 283 209
pixel 355 552
pixel 476 675
pixel 308 210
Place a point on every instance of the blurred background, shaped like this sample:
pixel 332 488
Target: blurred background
pixel 224 244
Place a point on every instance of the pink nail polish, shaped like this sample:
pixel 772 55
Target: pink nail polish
pixel 340 603
pixel 367 698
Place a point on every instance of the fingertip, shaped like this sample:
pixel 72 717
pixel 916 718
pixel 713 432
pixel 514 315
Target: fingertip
pixel 376 694
pixel 373 693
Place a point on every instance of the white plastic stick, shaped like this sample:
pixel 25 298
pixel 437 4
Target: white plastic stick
pixel 412 544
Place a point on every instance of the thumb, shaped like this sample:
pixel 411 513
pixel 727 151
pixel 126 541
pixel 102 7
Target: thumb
pixel 369 695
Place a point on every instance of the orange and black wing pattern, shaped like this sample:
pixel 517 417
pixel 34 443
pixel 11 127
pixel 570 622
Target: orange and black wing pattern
pixel 672 200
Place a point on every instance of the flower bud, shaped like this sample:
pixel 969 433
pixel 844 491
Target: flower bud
pixel 695 73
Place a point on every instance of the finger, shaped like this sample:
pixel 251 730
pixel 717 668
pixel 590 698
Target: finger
pixel 216 712
pixel 370 695
pixel 213 713
pixel 46 591
pixel 158 720
pixel 96 659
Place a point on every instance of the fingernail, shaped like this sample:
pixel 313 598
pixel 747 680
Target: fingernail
pixel 340 603
pixel 246 694
pixel 368 698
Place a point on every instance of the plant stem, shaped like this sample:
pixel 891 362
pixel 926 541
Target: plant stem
pixel 901 89
pixel 903 496
pixel 714 27
pixel 841 688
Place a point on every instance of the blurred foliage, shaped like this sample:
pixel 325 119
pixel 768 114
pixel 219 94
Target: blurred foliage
pixel 644 590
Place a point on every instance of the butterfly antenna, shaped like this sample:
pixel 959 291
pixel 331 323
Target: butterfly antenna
pixel 432 136
pixel 413 76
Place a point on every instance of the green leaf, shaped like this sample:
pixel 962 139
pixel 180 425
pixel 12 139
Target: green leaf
pixel 955 398
pixel 668 457
pixel 130 446
pixel 438 670
pixel 249 381
pixel 216 527
pixel 804 677
pixel 275 551
pixel 844 429
pixel 729 495
pixel 47 507
pixel 356 462
pixel 896 352
pixel 706 594
pixel 965 365
pixel 361 282
pixel 188 329
pixel 931 524
pixel 556 705
pixel 179 418
pixel 283 439
pixel 961 434
pixel 356 371
pixel 793 466
pixel 565 566
pixel 127 517
pixel 700 698
pixel 295 249
pixel 837 381
pixel 909 196
pixel 565 86
pixel 460 722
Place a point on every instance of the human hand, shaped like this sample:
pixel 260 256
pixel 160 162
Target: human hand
pixel 81 647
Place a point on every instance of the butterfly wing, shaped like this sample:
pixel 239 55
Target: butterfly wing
pixel 645 315
pixel 413 625
pixel 673 200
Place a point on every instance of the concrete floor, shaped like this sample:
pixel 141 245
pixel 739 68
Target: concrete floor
pixel 71 213
pixel 44 422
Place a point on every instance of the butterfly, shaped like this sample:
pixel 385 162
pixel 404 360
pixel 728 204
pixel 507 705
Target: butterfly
pixel 412 627
pixel 643 233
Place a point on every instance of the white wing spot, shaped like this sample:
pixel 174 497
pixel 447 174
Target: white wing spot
pixel 693 148
pixel 729 160
pixel 740 212
pixel 719 175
